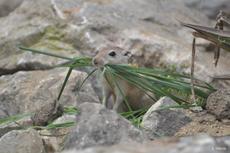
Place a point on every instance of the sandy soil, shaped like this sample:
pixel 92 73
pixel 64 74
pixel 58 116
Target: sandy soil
pixel 204 122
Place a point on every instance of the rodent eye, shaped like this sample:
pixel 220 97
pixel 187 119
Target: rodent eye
pixel 127 53
pixel 112 53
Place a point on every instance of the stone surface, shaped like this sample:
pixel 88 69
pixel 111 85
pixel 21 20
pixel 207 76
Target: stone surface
pixel 7 6
pixel 157 122
pixel 33 24
pixel 98 126
pixel 54 138
pixel 25 141
pixel 28 91
pixel 47 113
pixel 209 7
pixel 150 29
pixel 25 121
pixel 218 103
pixel 195 144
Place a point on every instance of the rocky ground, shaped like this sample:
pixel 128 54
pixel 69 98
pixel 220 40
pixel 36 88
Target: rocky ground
pixel 151 30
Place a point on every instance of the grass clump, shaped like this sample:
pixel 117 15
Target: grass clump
pixel 161 83
pixel 70 110
pixel 156 81
pixel 135 117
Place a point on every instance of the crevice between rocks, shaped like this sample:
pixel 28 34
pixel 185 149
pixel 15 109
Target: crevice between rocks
pixel 24 68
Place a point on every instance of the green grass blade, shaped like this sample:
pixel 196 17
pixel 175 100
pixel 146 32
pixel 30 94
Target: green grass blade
pixel 71 110
pixel 83 82
pixel 60 125
pixel 44 53
pixel 144 84
pixel 78 62
pixel 13 118
pixel 55 126
pixel 64 83
pixel 118 86
pixel 161 83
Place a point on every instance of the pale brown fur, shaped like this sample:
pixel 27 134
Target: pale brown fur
pixel 110 88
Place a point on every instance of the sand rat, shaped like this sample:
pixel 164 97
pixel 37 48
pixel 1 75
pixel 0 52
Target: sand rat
pixel 117 55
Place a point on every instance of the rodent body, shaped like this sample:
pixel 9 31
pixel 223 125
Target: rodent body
pixel 120 89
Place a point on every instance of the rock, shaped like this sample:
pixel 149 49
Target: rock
pixel 47 114
pixel 25 141
pixel 54 138
pixel 25 92
pixel 70 27
pixel 164 122
pixel 218 103
pixel 194 144
pixel 22 123
pixel 204 143
pixel 145 27
pixel 209 7
pixel 97 126
pixel 8 6
pixel 35 25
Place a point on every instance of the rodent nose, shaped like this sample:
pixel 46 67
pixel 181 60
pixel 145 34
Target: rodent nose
pixel 95 62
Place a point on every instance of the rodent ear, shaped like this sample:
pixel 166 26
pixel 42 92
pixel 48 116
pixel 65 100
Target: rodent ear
pixel 127 53
pixel 96 51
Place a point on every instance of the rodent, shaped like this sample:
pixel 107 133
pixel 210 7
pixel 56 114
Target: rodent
pixel 117 55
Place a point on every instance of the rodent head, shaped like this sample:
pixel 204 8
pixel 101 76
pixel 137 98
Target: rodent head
pixel 111 55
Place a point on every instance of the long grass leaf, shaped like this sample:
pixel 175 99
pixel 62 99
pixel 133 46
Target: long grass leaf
pixel 64 83
pixel 119 88
pixel 161 83
pixel 91 73
pixel 13 118
pixel 44 53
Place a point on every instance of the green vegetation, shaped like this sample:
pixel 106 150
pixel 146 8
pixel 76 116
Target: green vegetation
pixel 135 116
pixel 13 118
pixel 160 82
pixel 70 110
pixel 55 126
pixel 156 81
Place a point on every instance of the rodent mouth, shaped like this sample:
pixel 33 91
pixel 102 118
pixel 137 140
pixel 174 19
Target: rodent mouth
pixel 99 67
pixel 97 64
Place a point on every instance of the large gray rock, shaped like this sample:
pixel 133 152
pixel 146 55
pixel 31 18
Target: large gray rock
pixel 7 6
pixel 98 126
pixel 33 24
pixel 25 121
pixel 209 7
pixel 29 91
pixel 218 103
pixel 150 28
pixel 25 141
pixel 194 144
pixel 159 122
